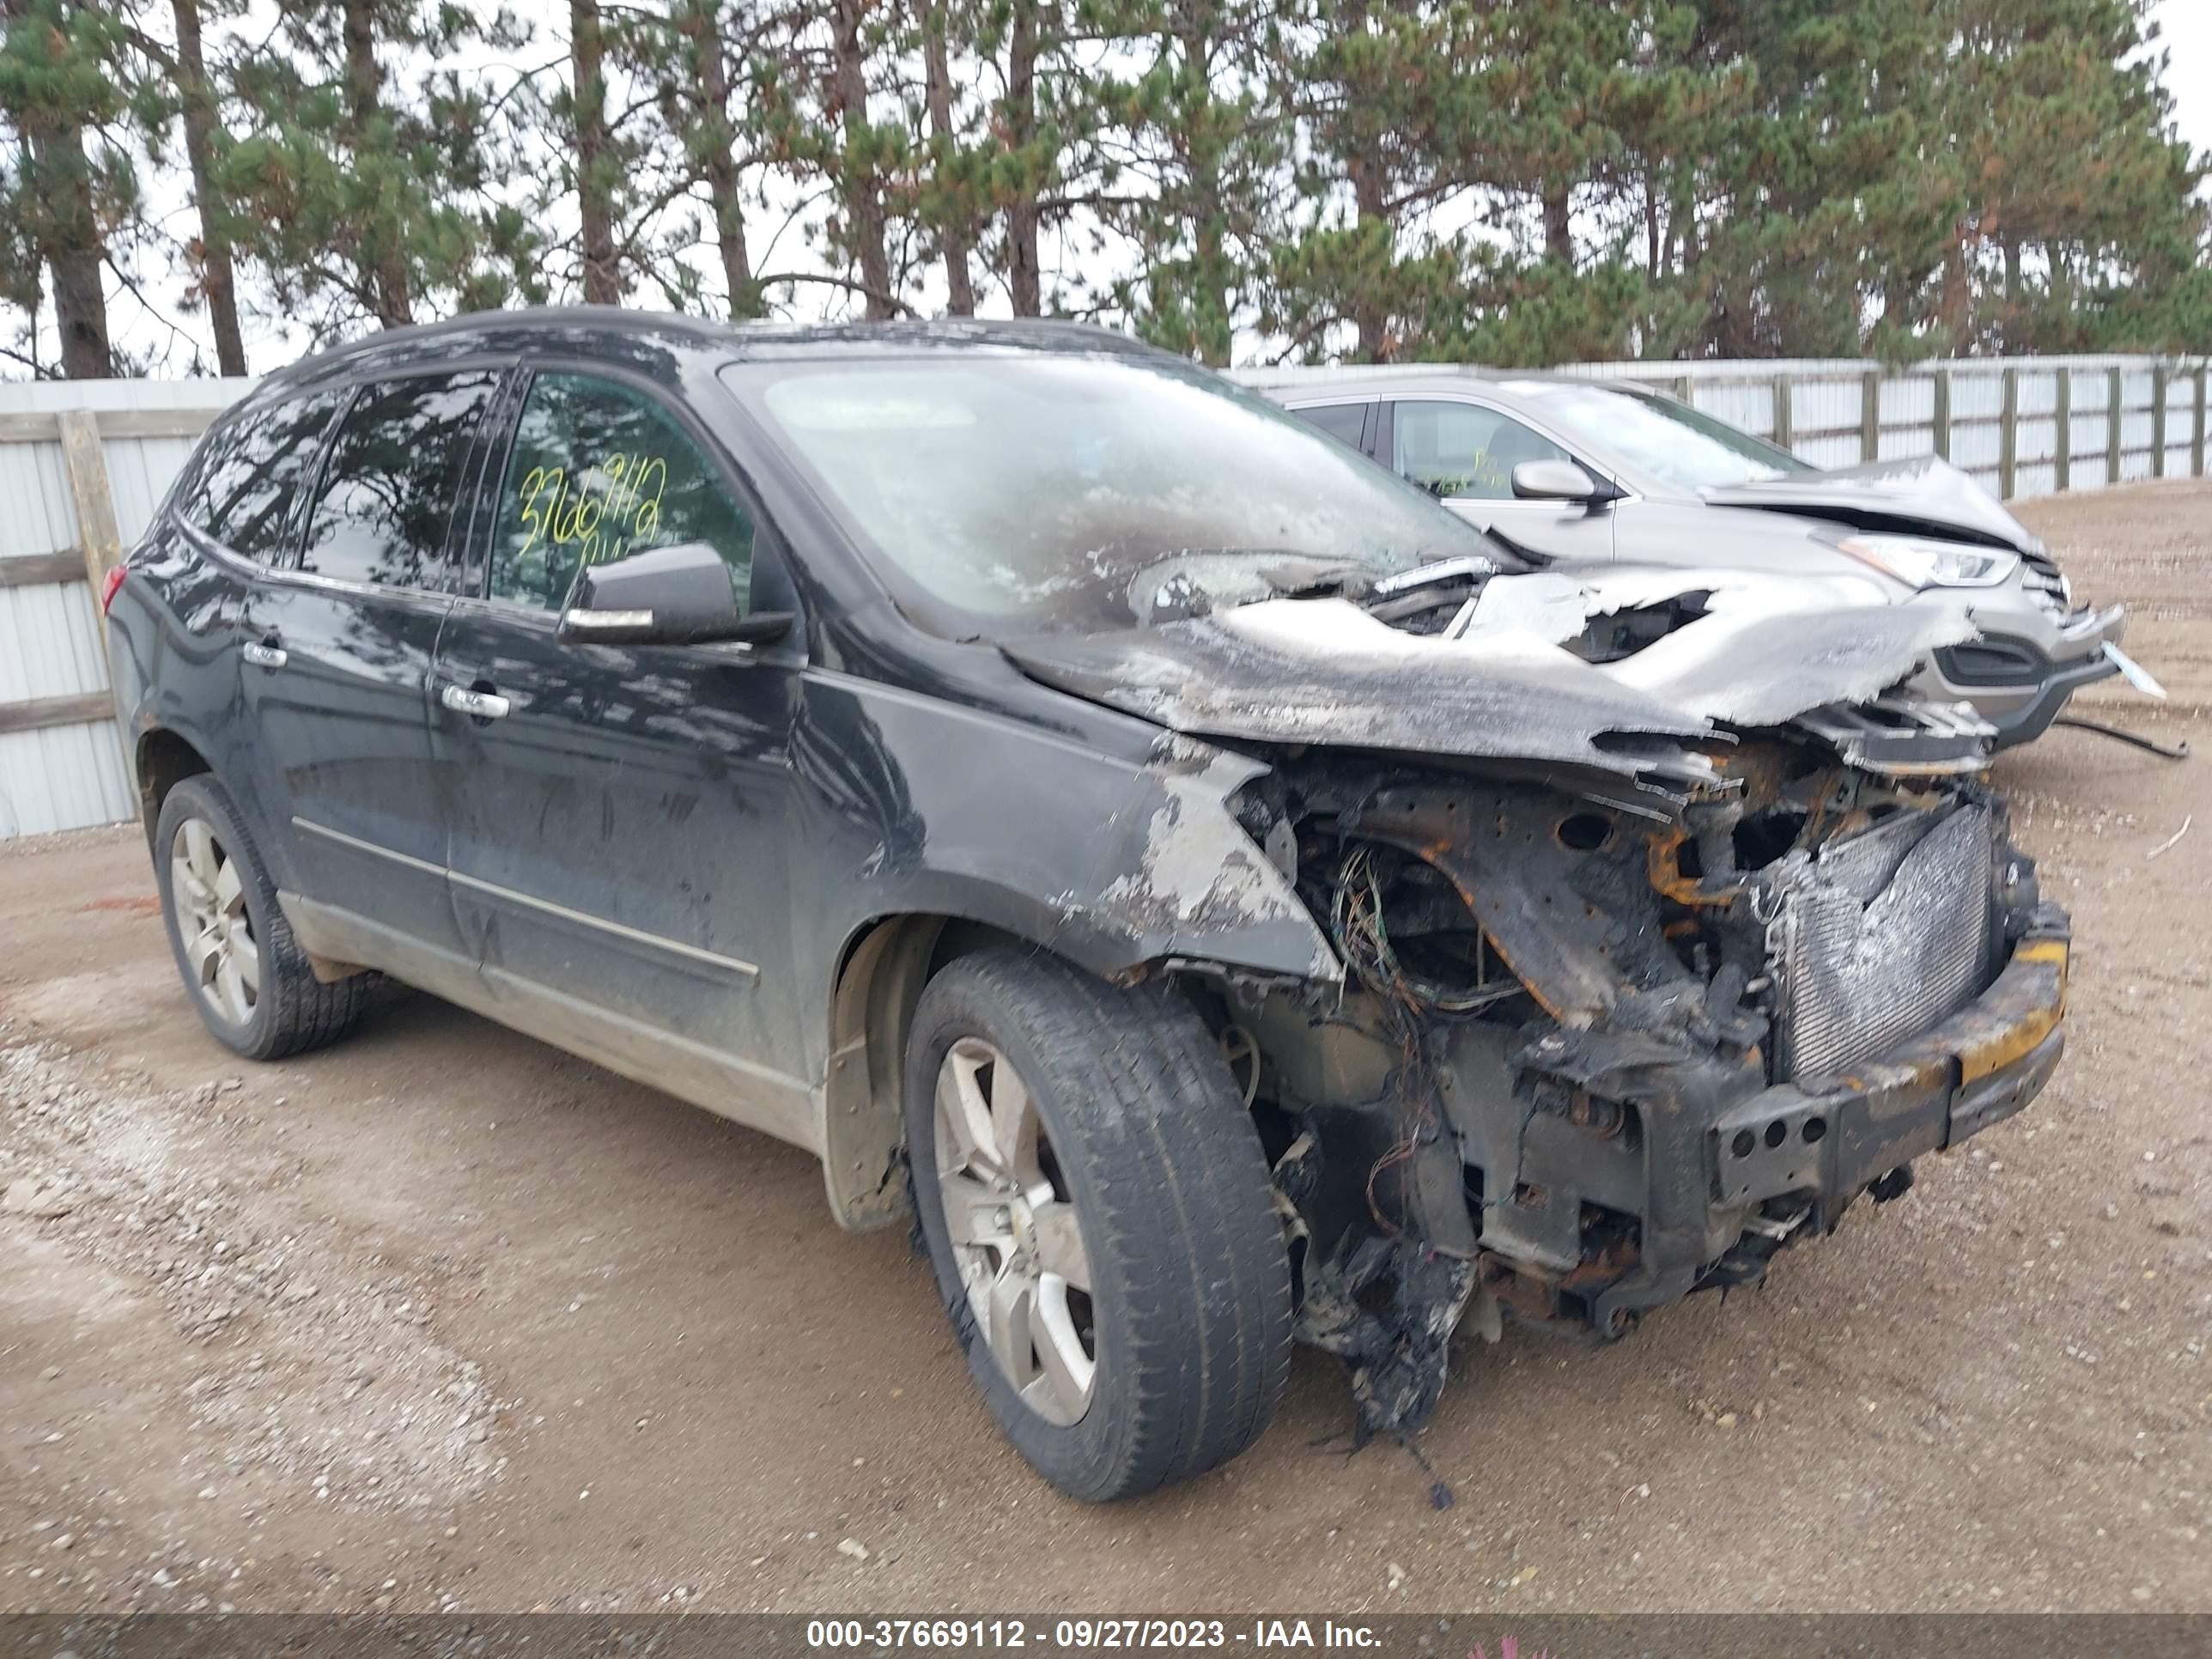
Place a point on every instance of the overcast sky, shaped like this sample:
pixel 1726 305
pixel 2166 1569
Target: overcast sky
pixel 2187 31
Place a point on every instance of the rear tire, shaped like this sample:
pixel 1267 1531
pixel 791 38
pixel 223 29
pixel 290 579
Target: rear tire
pixel 247 976
pixel 1121 1152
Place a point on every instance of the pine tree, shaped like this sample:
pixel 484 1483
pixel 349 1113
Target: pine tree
pixel 364 197
pixel 1207 145
pixel 66 178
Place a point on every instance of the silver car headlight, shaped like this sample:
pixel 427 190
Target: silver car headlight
pixel 1922 562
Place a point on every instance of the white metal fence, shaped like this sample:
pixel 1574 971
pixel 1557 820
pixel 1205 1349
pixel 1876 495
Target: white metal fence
pixel 82 465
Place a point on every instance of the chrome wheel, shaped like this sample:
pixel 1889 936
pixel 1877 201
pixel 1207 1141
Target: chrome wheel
pixel 1012 1222
pixel 208 895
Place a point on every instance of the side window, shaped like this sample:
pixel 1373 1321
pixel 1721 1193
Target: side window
pixel 390 481
pixel 598 472
pixel 249 483
pixel 1343 422
pixel 1462 451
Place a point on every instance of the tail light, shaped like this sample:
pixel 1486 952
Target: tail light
pixel 108 585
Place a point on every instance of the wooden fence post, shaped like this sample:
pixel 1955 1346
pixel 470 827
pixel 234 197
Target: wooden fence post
pixel 2008 436
pixel 2062 416
pixel 2113 428
pixel 2158 422
pixel 1784 417
pixel 1942 413
pixel 2197 430
pixel 86 463
pixel 1870 415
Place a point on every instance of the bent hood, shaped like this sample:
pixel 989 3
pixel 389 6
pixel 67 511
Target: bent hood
pixel 1753 651
pixel 1926 494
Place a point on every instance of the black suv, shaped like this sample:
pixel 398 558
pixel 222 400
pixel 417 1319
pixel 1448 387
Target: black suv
pixel 1218 891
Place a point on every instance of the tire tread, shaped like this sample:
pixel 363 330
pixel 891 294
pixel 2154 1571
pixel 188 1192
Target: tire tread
pixel 1183 1205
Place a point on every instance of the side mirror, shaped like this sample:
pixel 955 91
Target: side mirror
pixel 1559 481
pixel 678 595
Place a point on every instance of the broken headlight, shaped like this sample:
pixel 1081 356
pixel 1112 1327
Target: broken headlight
pixel 1920 561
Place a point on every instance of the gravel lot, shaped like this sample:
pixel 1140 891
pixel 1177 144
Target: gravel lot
pixel 443 1318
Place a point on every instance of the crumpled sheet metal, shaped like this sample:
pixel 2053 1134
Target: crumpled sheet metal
pixel 1556 606
pixel 1324 672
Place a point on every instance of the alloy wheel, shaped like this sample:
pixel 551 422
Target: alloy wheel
pixel 208 895
pixel 1012 1222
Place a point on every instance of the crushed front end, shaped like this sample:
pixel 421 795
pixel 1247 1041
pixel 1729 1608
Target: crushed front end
pixel 1655 924
pixel 1593 1057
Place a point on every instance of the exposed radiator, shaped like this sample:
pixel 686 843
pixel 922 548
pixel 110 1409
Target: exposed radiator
pixel 1879 937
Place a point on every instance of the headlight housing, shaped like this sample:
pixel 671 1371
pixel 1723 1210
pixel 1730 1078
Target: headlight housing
pixel 1923 562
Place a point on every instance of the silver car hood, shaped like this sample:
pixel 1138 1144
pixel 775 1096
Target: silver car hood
pixel 1766 650
pixel 1925 494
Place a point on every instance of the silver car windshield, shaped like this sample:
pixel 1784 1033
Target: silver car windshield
pixel 1024 491
pixel 1687 448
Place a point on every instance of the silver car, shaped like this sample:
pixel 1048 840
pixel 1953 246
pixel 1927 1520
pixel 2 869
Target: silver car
pixel 1584 472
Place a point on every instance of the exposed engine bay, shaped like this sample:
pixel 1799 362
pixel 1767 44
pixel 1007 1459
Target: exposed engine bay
pixel 1666 928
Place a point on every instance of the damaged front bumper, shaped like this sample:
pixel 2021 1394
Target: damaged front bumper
pixel 1786 1162
pixel 1669 1050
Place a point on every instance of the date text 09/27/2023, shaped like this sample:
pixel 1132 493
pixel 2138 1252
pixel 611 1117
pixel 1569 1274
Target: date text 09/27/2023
pixel 1086 1635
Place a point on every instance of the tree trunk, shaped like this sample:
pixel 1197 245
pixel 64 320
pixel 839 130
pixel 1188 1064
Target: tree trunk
pixel 1213 277
pixel 595 185
pixel 859 184
pixel 382 258
pixel 218 275
pixel 1559 222
pixel 959 281
pixel 1024 274
pixel 75 258
pixel 1367 318
pixel 1655 241
pixel 718 163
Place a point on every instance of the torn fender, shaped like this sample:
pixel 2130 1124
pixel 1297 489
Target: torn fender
pixel 1326 672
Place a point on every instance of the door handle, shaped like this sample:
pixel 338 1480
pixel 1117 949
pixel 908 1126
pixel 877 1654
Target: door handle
pixel 264 653
pixel 478 705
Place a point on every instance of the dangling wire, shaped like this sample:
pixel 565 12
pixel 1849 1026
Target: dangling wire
pixel 1364 938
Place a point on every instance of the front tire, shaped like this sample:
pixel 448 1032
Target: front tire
pixel 249 981
pixel 1100 1219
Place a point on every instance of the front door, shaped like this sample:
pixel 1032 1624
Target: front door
pixel 338 647
pixel 1464 454
pixel 619 813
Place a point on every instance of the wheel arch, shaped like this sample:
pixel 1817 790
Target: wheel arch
pixel 881 970
pixel 160 760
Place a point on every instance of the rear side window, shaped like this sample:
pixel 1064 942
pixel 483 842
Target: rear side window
pixel 1343 422
pixel 389 484
pixel 1464 452
pixel 246 491
pixel 598 472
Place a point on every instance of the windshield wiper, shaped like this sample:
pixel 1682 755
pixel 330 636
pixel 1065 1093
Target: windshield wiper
pixel 1432 575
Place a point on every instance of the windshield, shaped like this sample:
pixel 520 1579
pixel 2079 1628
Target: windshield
pixel 1022 492
pixel 1670 441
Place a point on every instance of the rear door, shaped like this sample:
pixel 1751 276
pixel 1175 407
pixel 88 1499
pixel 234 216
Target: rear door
pixel 618 834
pixel 242 503
pixel 1463 453
pixel 339 644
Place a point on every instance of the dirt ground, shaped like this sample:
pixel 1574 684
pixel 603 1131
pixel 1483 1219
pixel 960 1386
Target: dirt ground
pixel 442 1318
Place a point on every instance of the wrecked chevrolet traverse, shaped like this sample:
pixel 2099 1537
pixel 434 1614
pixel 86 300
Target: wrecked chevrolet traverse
pixel 1215 896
